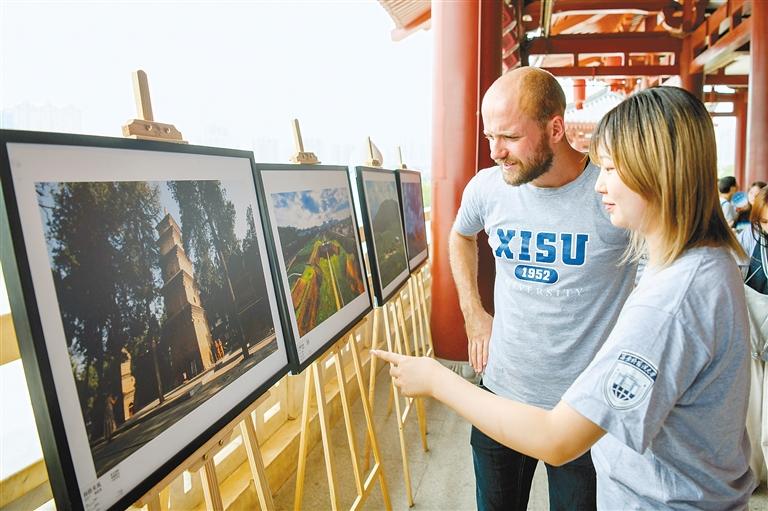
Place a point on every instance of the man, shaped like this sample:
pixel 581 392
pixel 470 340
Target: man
pixel 559 281
pixel 727 187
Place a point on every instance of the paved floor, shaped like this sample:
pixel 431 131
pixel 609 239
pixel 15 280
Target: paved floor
pixel 441 479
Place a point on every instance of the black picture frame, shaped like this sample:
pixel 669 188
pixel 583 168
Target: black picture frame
pixel 285 187
pixel 204 402
pixel 388 271
pixel 414 223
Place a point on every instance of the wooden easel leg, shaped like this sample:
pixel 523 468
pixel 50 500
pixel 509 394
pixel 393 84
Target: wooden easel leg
pixel 390 347
pixel 400 425
pixel 211 490
pixel 325 431
pixel 371 381
pixel 415 318
pixel 425 313
pixel 374 346
pixel 347 415
pixel 257 464
pixel 377 469
pixel 153 504
pixel 303 441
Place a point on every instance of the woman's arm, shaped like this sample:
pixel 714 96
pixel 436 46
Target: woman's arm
pixel 554 436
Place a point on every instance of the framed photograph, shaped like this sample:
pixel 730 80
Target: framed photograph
pixel 412 202
pixel 316 245
pixel 383 224
pixel 143 301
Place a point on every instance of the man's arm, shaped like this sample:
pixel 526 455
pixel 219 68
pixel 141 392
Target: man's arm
pixel 462 251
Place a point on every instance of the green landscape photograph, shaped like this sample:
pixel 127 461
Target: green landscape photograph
pixel 319 248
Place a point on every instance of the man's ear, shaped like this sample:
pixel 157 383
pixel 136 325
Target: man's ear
pixel 556 129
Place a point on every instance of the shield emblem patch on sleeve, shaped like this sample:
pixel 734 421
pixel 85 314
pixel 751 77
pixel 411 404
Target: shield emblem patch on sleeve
pixel 629 381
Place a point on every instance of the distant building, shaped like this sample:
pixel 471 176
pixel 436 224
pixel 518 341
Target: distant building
pixel 47 117
pixel 580 123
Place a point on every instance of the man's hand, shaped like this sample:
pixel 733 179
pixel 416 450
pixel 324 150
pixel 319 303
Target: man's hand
pixel 478 327
pixel 414 376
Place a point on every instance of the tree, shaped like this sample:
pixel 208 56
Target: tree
pixel 208 233
pixel 104 262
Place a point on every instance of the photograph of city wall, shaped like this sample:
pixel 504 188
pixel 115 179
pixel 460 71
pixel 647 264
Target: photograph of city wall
pixel 320 252
pixel 162 296
pixel 384 215
pixel 415 227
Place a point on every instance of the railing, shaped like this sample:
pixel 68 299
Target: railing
pixel 277 431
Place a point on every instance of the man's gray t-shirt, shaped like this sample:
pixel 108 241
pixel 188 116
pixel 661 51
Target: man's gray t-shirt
pixel 559 286
pixel 670 387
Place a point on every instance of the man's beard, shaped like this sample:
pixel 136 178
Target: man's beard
pixel 539 165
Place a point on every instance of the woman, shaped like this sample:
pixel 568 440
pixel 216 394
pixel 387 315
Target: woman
pixel 670 384
pixel 754 240
pixel 753 190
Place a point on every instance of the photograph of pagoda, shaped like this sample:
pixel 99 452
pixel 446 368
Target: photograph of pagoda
pixel 163 298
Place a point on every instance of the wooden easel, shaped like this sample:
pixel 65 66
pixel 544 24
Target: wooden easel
pixel 314 380
pixel 201 461
pixel 301 156
pixel 145 127
pixel 393 317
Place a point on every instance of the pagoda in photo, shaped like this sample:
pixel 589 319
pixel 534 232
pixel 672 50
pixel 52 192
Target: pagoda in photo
pixel 186 334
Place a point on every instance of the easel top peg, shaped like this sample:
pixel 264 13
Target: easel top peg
pixel 400 157
pixel 301 156
pixel 375 158
pixel 145 127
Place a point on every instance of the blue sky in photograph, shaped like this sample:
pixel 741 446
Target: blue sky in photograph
pixel 310 208
pixel 376 192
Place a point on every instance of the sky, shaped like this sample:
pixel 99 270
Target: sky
pixel 227 73
pixel 376 192
pixel 310 208
pixel 230 74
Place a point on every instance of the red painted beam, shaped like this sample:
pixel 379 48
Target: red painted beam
pixel 628 42
pixel 717 55
pixel 602 7
pixel 728 80
pixel 615 71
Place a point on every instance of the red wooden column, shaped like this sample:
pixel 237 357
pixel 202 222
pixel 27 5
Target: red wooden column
pixel 692 82
pixel 579 92
pixel 467 60
pixel 740 142
pixel 757 148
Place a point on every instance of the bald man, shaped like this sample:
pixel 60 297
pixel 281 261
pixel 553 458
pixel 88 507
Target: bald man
pixel 559 281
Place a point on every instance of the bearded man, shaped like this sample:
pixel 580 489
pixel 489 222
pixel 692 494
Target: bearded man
pixel 560 279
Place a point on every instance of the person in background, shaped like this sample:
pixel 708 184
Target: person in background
pixel 754 241
pixel 753 189
pixel 741 205
pixel 671 383
pixel 727 187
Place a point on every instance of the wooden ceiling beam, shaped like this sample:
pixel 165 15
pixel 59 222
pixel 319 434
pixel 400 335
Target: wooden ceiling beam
pixel 633 42
pixel 720 52
pixel 613 71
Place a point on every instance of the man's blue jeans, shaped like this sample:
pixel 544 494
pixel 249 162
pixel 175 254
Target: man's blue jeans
pixel 504 476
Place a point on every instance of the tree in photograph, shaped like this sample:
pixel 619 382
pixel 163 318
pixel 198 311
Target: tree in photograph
pixel 104 263
pixel 208 233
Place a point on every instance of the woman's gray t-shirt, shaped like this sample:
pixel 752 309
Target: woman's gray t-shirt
pixel 670 386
